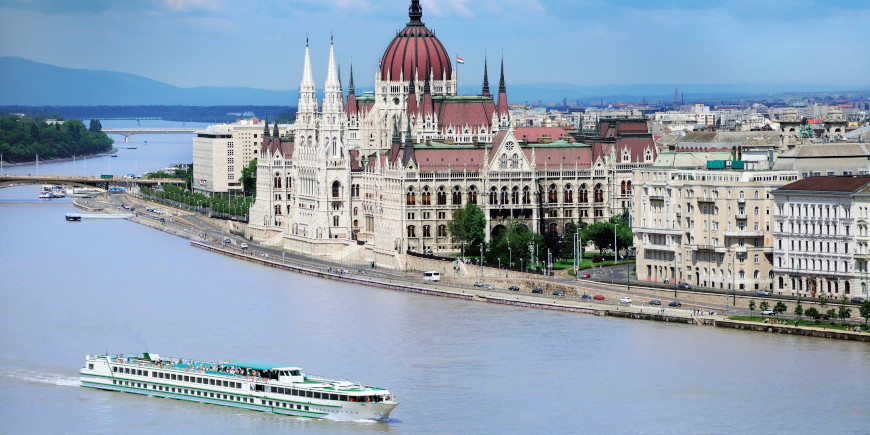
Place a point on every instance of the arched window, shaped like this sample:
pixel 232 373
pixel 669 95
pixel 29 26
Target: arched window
pixel 411 196
pixel 741 274
pixel 356 223
pixel 515 161
pixel 442 230
pixel 584 195
pixel 622 188
pixel 503 161
pixel 442 195
pixel 569 194
pixel 411 232
pixel 504 196
pixel 515 195
pixel 355 211
pixel 599 193
pixel 457 195
pixel 472 194
pixel 756 274
pixel 493 196
pixel 335 221
pixel 276 183
pixel 552 196
pixel 527 196
pixel 336 189
pixel 426 231
pixel 426 196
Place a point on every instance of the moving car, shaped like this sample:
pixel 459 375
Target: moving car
pixel 598 297
pixel 768 312
pixel 586 297
pixel 762 293
pixel 625 300
pixel 684 286
pixel 858 300
pixel 675 304
pixel 558 293
pixel 655 302
pixel 478 284
pixel 514 288
pixel 538 290
pixel 244 246
pixel 488 286
pixel 585 275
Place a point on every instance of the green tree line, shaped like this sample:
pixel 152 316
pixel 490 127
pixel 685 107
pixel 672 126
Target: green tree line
pixel 22 139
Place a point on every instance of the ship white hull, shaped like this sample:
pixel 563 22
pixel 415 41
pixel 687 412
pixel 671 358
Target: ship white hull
pixel 243 396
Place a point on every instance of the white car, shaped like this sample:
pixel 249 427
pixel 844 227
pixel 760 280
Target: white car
pixel 625 299
pixel 768 312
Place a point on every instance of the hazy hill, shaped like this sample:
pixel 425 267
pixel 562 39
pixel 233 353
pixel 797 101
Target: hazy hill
pixel 24 82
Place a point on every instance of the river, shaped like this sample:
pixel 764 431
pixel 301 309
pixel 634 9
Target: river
pixel 71 289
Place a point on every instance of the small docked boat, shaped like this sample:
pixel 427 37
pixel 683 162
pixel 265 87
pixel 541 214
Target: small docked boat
pixel 278 389
pixel 45 193
pixel 73 217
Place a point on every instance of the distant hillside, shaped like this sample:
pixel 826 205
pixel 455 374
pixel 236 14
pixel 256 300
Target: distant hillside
pixel 28 83
pixel 24 82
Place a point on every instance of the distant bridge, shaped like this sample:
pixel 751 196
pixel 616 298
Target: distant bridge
pixel 99 182
pixel 127 132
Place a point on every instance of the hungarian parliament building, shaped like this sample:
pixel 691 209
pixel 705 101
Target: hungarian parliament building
pixel 370 177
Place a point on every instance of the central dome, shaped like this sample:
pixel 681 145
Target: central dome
pixel 412 49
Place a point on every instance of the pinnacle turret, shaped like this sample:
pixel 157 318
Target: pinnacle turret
pixel 485 90
pixel 415 13
pixel 266 126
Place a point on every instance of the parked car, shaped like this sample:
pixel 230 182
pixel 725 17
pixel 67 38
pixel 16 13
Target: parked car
pixel 514 288
pixel 488 286
pixel 684 286
pixel 538 290
pixel 625 300
pixel 244 246
pixel 598 297
pixel 558 293
pixel 586 297
pixel 478 284
pixel 768 312
pixel 762 293
pixel 824 316
pixel 585 275
pixel 655 302
pixel 675 304
pixel 858 300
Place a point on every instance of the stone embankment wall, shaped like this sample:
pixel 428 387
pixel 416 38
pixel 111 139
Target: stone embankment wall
pixel 794 330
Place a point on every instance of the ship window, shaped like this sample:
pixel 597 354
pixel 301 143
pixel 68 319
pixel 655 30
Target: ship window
pixel 154 374
pixel 306 407
pixel 308 394
pixel 294 392
pixel 316 395
pixel 333 397
pixel 173 377
pixel 343 398
pixel 211 381
pixel 225 383
pixel 186 378
pixel 91 366
pixel 138 372
pixel 115 369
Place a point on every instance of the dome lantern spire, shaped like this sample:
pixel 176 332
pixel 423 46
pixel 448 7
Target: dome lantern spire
pixel 415 13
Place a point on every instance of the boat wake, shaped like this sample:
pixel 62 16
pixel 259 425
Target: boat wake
pixel 44 378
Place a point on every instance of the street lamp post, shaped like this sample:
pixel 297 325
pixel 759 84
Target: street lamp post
pixel 481 259
pixel 510 258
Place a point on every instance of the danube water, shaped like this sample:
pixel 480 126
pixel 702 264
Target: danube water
pixel 71 289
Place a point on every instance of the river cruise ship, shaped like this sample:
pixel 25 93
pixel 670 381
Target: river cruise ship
pixel 250 385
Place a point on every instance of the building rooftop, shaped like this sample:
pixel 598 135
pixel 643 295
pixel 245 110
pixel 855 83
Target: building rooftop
pixel 828 184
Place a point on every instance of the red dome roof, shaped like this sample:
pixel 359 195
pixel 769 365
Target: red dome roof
pixel 410 51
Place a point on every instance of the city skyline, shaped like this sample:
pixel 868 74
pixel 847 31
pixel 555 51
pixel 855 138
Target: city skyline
pixel 191 43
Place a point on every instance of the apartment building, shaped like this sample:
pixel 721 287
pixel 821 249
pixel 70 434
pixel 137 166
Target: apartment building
pixel 705 227
pixel 821 237
pixel 221 151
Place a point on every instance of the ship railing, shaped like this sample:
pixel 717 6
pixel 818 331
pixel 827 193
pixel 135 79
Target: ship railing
pixel 182 366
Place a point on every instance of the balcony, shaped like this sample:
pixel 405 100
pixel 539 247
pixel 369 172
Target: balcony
pixel 658 247
pixel 744 233
pixel 656 197
pixel 740 216
pixel 706 199
pixel 741 200
pixel 739 249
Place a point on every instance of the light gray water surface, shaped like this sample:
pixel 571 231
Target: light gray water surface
pixel 76 288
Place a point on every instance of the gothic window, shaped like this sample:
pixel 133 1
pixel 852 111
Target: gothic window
pixel 504 196
pixel 356 223
pixel 411 232
pixel 426 196
pixel 527 195
pixel 503 161
pixel 336 188
pixel 628 187
pixel 472 194
pixel 515 161
pixel 335 221
pixel 599 193
pixel 442 196
pixel 457 195
pixel 569 194
pixel 552 195
pixel 354 211
pixel 584 195
pixel 277 182
pixel 426 231
pixel 622 188
pixel 411 196
pixel 442 231
pixel 515 195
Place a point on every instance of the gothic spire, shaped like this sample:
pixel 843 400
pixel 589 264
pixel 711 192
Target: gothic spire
pixel 426 89
pixel 501 88
pixel 266 126
pixel 415 13
pixel 350 88
pixel 307 77
pixel 275 133
pixel 331 74
pixel 396 138
pixel 485 91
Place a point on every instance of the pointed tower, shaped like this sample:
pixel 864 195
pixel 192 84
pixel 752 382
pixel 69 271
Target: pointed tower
pixel 485 90
pixel 266 126
pixel 331 114
pixel 306 110
pixel 501 103
pixel 275 133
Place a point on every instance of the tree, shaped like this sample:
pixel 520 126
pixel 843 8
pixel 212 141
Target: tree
pixel 865 311
pixel 780 307
pixel 798 310
pixel 249 179
pixel 95 126
pixel 844 313
pixel 601 234
pixel 764 305
pixel 812 312
pixel 832 313
pixel 468 227
pixel 823 302
pixel 511 244
pixel 751 307
pixel 568 243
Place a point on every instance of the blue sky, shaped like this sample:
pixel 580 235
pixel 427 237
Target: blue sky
pixel 586 42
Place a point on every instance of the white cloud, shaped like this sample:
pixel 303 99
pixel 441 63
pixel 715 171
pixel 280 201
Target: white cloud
pixel 443 8
pixel 190 5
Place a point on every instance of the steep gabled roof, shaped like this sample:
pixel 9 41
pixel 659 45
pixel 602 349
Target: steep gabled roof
pixel 828 184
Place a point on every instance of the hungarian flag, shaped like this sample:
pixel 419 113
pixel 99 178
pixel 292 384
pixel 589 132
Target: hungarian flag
pixel 459 60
